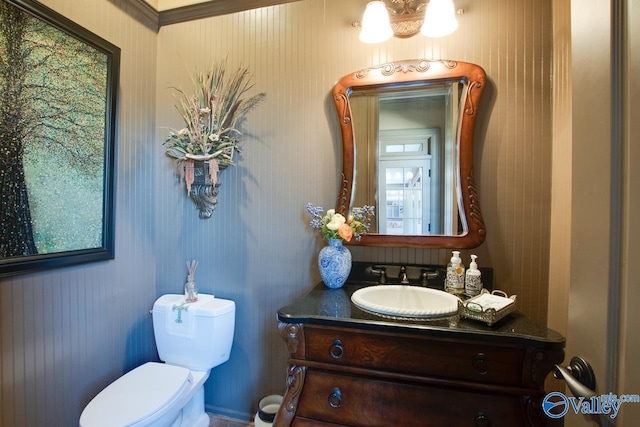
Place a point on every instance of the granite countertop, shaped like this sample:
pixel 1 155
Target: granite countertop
pixel 333 307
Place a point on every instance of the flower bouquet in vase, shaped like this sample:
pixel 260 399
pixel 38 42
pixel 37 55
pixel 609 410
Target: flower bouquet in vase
pixel 334 260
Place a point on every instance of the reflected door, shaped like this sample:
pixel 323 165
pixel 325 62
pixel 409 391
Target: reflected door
pixel 404 197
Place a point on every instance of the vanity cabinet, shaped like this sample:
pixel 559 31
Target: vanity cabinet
pixel 351 368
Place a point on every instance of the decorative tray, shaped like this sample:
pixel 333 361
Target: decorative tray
pixel 488 307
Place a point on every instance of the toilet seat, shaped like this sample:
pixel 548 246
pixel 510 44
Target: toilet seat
pixel 140 396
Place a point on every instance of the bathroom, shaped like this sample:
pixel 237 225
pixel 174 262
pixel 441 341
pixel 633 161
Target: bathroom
pixel 66 333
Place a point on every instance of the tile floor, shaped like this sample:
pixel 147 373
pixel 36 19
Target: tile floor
pixel 222 421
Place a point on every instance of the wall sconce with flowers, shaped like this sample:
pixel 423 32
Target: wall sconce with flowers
pixel 437 18
pixel 210 138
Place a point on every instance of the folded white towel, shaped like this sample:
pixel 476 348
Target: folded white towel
pixel 180 321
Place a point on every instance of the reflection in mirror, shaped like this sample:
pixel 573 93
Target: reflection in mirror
pixel 407 131
pixel 406 162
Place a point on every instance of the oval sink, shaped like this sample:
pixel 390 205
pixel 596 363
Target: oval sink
pixel 405 301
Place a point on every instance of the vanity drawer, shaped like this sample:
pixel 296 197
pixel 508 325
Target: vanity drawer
pixel 359 401
pixel 415 355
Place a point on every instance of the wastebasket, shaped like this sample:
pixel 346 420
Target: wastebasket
pixel 267 409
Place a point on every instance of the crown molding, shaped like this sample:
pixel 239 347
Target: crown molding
pixel 142 11
pixel 154 19
pixel 213 8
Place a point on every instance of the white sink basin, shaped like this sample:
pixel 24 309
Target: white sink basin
pixel 406 301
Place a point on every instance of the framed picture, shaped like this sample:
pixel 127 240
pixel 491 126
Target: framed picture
pixel 58 98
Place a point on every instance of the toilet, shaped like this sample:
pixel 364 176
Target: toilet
pixel 191 339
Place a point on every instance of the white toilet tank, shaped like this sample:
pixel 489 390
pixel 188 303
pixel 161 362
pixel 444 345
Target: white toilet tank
pixel 195 335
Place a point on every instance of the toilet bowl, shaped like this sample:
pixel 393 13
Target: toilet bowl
pixel 191 339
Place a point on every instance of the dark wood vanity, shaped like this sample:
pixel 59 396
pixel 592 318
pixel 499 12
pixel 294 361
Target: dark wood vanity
pixel 348 367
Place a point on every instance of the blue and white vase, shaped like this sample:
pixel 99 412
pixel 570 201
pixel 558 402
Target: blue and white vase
pixel 334 262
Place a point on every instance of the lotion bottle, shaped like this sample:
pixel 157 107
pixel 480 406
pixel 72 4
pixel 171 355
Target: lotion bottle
pixel 454 282
pixel 473 282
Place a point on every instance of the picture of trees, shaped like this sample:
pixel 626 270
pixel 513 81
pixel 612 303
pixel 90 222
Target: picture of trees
pixel 54 105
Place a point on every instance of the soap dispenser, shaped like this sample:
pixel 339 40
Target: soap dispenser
pixel 473 282
pixel 454 282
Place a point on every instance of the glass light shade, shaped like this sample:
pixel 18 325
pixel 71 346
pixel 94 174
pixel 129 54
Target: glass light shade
pixel 439 19
pixel 375 23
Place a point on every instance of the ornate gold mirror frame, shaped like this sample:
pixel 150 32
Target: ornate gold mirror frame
pixel 419 73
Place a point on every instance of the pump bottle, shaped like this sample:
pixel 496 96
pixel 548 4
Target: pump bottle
pixel 454 282
pixel 473 282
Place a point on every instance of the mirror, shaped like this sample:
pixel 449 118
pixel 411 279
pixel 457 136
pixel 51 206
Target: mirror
pixel 407 132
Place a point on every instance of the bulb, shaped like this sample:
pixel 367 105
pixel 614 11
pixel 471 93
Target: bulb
pixel 439 19
pixel 375 23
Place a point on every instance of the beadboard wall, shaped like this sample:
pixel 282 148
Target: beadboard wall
pixel 258 249
pixel 65 334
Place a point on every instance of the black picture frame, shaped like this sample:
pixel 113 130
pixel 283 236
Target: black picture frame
pixel 102 215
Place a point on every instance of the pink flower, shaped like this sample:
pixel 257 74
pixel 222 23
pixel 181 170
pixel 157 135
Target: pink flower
pixel 346 232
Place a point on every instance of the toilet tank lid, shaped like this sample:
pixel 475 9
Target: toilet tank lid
pixel 207 305
pixel 137 395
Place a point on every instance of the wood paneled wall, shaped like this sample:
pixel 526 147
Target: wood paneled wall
pixel 65 334
pixel 258 246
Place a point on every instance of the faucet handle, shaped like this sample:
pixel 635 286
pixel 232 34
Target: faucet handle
pixel 426 274
pixel 382 271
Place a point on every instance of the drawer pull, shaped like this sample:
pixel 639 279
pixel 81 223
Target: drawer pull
pixel 482 420
pixel 335 398
pixel 336 350
pixel 480 364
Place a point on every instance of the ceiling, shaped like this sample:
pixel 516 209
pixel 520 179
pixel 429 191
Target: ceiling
pixel 167 5
pixel 162 5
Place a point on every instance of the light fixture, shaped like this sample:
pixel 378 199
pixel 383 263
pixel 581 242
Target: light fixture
pixel 380 22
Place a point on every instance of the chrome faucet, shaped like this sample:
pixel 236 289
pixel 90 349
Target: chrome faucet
pixel 404 279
